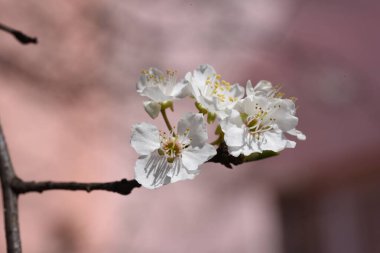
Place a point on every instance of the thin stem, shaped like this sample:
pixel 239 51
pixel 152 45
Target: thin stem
pixel 123 187
pixel 10 197
pixel 20 36
pixel 163 112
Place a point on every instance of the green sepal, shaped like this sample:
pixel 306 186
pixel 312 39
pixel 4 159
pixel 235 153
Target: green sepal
pixel 167 104
pixel 259 156
pixel 218 130
pixel 211 117
pixel 200 108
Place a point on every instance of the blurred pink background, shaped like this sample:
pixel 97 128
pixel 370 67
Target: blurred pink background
pixel 67 106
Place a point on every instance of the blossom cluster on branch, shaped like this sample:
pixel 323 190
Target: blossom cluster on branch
pixel 249 120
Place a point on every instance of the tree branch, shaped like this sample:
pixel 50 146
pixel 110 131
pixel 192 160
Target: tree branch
pixel 10 205
pixel 13 186
pixel 225 158
pixel 20 36
pixel 123 187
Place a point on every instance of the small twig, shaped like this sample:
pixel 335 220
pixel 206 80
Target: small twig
pixel 167 122
pixel 123 187
pixel 20 36
pixel 7 174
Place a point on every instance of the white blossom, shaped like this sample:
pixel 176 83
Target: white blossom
pixel 167 158
pixel 160 89
pixel 262 88
pixel 213 93
pixel 259 122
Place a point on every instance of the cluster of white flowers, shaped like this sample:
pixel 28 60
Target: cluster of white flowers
pixel 252 120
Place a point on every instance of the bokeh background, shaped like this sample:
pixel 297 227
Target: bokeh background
pixel 67 106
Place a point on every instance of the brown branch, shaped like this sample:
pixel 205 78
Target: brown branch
pixel 123 187
pixel 10 205
pixel 225 158
pixel 20 36
pixel 12 186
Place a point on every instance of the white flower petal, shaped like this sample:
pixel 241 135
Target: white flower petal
pixel 284 115
pixel 192 157
pixel 297 133
pixel 180 90
pixel 210 103
pixel 155 93
pixel 235 151
pixel 250 105
pixel 194 90
pixel 141 175
pixel 159 87
pixel 144 82
pixel 194 122
pixel 201 73
pixel 291 144
pixel 249 88
pixel 145 138
pixel 286 122
pixel 152 108
pixel 197 79
pixel 182 173
pixel 274 141
pixel 221 114
pixel 234 118
pixel 211 92
pixel 150 171
pixel 237 91
pixel 233 130
pixel 233 135
pixel 262 88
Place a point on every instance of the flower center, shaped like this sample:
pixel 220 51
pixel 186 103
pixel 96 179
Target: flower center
pixel 172 145
pixel 219 88
pixel 161 80
pixel 258 123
